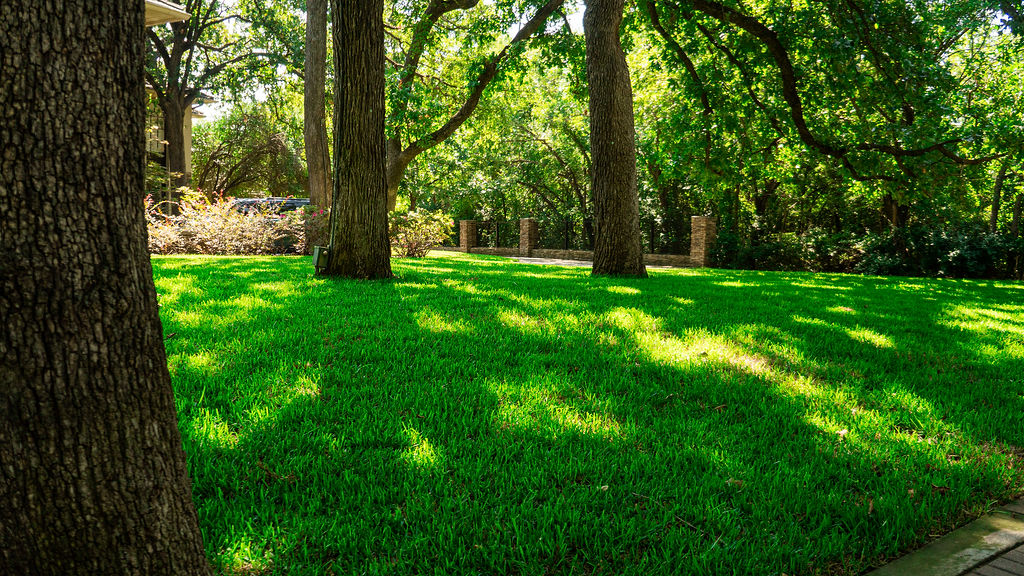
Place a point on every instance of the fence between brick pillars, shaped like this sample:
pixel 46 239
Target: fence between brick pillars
pixel 702 239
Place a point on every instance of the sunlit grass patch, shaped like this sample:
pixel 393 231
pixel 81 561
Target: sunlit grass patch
pixel 480 416
pixel 870 337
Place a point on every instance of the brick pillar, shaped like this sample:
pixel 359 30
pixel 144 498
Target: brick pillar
pixel 529 236
pixel 703 233
pixel 467 234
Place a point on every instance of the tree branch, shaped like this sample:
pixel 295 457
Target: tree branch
pixel 489 71
pixel 652 13
pixel 769 38
pixel 159 45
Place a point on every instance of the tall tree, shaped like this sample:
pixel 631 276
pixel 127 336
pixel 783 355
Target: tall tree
pixel 93 478
pixel 318 159
pixel 617 247
pixel 186 58
pixel 997 190
pixel 359 225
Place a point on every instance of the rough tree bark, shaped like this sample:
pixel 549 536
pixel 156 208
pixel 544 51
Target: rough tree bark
pixel 1016 270
pixel 93 479
pixel 318 158
pixel 359 225
pixel 894 212
pixel 1015 223
pixel 174 108
pixel 997 192
pixel 618 248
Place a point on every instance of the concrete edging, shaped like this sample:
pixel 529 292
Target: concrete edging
pixel 964 548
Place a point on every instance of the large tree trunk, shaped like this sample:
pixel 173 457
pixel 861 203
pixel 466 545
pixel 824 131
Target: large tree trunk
pixel 93 479
pixel 997 192
pixel 359 231
pixel 894 212
pixel 174 108
pixel 318 158
pixel 618 248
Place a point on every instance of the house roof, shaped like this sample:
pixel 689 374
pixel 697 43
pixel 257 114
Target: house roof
pixel 162 12
pixel 200 99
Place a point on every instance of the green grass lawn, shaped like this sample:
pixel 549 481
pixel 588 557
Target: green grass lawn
pixel 476 416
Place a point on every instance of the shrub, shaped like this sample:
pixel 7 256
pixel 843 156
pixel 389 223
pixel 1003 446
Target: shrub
pixel 835 252
pixel 951 253
pixel 414 233
pixel 775 252
pixel 202 226
pixel 315 224
pixel 728 251
pixel 779 252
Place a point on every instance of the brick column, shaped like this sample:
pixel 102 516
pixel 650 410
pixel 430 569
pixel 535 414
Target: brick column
pixel 529 236
pixel 703 233
pixel 467 234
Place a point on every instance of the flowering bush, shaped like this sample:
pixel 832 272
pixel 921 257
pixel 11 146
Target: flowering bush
pixel 316 226
pixel 203 226
pixel 414 233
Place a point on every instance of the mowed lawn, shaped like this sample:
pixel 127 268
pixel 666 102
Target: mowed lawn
pixel 475 416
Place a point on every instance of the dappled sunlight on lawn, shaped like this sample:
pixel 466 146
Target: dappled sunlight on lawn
pixel 735 284
pixel 524 322
pixel 870 337
pixel 809 320
pixel 624 290
pixel 222 315
pixel 540 409
pixel 436 322
pixel 421 454
pixel 630 320
pixel 823 286
pixel 699 347
pixel 247 558
pixel 211 431
pixel 506 418
pixel 986 320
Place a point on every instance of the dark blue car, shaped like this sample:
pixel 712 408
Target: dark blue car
pixel 270 205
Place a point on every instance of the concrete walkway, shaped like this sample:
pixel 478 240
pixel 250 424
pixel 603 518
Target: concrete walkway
pixel 992 545
pixel 554 261
pixel 1010 563
pixel 577 263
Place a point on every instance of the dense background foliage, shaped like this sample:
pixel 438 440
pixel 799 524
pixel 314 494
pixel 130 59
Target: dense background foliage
pixel 832 135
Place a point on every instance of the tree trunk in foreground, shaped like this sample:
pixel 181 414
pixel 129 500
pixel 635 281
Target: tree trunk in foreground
pixel 93 478
pixel 318 159
pixel 618 248
pixel 359 231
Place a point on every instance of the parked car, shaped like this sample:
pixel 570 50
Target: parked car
pixel 270 205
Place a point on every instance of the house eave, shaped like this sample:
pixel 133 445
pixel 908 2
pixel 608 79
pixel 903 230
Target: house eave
pixel 161 12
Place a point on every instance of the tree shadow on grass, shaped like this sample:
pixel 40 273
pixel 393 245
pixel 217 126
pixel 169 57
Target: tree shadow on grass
pixel 476 416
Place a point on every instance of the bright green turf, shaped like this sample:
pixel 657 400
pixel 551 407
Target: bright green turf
pixel 481 417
